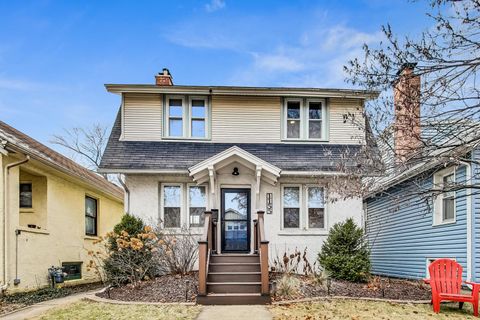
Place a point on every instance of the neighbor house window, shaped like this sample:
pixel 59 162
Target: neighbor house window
pixel 73 270
pixel 305 119
pixel 91 212
pixel 172 203
pixel 175 117
pixel 25 195
pixel 448 201
pixel 291 207
pixel 198 115
pixel 444 203
pixel 316 207
pixel 197 204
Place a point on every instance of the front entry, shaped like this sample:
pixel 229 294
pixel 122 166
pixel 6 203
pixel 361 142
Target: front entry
pixel 235 217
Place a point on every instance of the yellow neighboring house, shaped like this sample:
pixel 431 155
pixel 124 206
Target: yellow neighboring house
pixel 51 212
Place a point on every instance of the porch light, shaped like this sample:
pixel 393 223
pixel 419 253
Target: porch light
pixel 235 171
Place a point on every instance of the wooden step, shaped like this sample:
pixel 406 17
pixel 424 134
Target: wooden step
pixel 234 267
pixel 237 258
pixel 234 287
pixel 234 276
pixel 233 299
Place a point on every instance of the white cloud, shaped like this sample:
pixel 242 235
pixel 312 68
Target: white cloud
pixel 276 62
pixel 215 5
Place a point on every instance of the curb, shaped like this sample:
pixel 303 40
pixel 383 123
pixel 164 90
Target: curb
pixel 351 298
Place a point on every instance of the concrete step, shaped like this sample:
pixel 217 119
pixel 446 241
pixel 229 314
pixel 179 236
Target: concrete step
pixel 234 287
pixel 233 299
pixel 234 267
pixel 234 276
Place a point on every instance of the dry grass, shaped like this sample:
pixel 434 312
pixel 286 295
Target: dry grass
pixel 87 310
pixel 359 310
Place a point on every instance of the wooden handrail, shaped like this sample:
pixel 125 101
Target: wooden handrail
pixel 204 249
pixel 262 245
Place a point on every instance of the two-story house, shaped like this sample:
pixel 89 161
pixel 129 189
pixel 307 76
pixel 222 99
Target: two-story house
pixel 185 150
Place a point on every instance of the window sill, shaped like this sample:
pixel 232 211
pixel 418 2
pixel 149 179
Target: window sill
pixel 87 237
pixel 439 224
pixel 27 210
pixel 31 230
pixel 305 140
pixel 310 232
pixel 185 138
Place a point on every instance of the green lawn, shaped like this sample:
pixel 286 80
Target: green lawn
pixel 359 310
pixel 102 311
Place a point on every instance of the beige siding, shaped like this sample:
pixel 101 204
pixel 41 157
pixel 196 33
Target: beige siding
pixel 246 119
pixel 349 132
pixel 142 116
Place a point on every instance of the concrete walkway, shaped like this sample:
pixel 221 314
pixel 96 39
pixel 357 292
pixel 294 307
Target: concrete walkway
pixel 42 307
pixel 252 312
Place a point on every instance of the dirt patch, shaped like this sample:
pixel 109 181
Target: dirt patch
pixel 17 301
pixel 168 288
pixel 384 288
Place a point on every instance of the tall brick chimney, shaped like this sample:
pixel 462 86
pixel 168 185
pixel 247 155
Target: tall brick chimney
pixel 407 113
pixel 164 78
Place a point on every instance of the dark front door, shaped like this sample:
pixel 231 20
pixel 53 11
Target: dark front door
pixel 235 220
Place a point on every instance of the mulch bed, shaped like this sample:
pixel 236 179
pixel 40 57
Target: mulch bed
pixel 168 288
pixel 380 287
pixel 20 300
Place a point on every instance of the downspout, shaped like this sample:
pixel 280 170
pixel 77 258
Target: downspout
pixel 5 219
pixel 127 192
pixel 470 218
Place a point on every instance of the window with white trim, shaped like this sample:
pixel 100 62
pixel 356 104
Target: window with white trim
pixel 304 119
pixel 291 207
pixel 316 208
pixel 444 203
pixel 197 205
pixel 186 117
pixel 172 206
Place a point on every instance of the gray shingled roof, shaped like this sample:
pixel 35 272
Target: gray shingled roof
pixel 172 155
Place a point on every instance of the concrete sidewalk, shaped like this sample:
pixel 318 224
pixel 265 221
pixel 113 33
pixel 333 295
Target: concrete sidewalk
pixel 250 312
pixel 42 307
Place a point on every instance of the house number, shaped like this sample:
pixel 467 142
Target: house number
pixel 269 203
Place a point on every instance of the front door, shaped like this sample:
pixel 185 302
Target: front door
pixel 235 220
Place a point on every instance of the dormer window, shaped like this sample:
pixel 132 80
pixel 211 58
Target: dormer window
pixel 186 117
pixel 304 119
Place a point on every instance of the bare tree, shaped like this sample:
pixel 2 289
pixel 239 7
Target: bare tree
pixel 447 59
pixel 86 143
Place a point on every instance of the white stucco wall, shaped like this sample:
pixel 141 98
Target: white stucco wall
pixel 144 199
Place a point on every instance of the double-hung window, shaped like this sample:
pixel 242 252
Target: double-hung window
pixel 316 208
pixel 172 206
pixel 291 207
pixel 305 119
pixel 448 200
pixel 186 117
pixel 197 205
pixel 176 115
pixel 91 212
pixel 444 202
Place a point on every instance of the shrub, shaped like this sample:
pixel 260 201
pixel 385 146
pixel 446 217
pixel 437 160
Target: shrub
pixel 345 254
pixel 294 262
pixel 127 256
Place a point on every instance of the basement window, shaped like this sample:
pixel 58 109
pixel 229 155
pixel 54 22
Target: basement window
pixel 73 270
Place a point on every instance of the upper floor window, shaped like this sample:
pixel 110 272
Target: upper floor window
pixel 186 118
pixel 26 195
pixel 304 119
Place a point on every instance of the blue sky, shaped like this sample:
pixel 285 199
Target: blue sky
pixel 55 56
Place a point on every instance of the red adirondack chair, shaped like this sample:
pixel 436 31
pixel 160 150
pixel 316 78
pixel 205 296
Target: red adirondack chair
pixel 446 281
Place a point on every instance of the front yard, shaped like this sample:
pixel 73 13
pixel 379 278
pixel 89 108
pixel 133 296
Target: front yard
pixel 85 310
pixel 359 310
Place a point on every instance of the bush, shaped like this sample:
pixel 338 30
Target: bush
pixel 344 254
pixel 130 224
pixel 288 286
pixel 177 253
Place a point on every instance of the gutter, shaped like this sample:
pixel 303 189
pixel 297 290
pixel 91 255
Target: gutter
pixel 5 219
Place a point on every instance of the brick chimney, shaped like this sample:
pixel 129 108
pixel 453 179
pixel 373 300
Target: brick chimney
pixel 407 113
pixel 164 78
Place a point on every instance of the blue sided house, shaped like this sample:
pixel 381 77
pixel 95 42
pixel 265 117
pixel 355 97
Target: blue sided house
pixel 427 205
